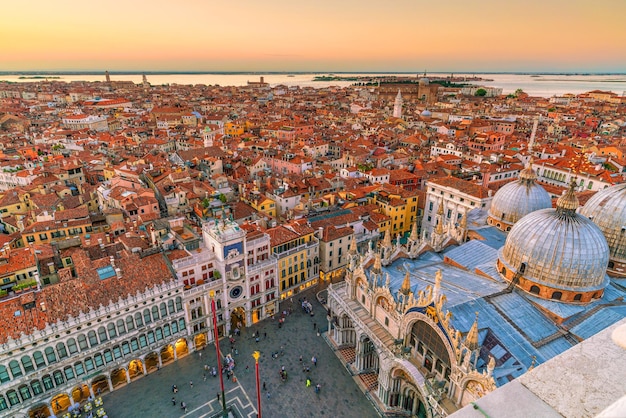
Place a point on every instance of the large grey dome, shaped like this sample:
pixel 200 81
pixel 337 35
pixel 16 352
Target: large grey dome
pixel 517 199
pixel 607 209
pixel 558 249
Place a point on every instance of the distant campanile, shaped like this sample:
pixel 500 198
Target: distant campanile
pixel 107 76
pixel 397 106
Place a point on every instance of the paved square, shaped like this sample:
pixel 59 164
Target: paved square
pixel 151 396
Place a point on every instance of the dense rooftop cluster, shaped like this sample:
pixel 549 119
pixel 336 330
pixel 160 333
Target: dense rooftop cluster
pixel 109 190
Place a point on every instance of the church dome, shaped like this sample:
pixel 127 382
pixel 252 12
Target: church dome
pixel 426 112
pixel 607 209
pixel 517 199
pixel 557 254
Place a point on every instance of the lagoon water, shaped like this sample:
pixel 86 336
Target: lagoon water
pixel 543 85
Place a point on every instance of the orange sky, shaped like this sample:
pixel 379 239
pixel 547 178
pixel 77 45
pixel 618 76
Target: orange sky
pixel 314 35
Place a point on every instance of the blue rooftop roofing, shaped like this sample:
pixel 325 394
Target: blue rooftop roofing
pixel 105 272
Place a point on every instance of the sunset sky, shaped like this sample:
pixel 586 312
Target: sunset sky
pixel 314 35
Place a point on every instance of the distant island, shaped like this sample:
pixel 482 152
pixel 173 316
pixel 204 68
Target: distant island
pixel 38 77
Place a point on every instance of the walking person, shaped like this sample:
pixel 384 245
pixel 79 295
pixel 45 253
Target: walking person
pixel 314 360
pixel 314 325
pixel 264 389
pixel 191 384
pixel 268 395
pixel 173 401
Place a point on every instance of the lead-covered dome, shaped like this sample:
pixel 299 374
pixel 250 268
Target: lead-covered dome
pixel 557 254
pixel 517 199
pixel 607 209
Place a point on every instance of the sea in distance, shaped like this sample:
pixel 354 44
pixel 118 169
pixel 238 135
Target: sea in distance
pixel 535 84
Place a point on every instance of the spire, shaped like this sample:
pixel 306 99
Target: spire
pixel 377 263
pixel 414 236
pixel 568 203
pixel 387 240
pixel 531 142
pixel 406 284
pixel 471 341
pixel 440 208
pixel 491 365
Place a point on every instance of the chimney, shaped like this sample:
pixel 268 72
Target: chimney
pixel 100 243
pixel 118 273
pixel 112 260
pixel 51 267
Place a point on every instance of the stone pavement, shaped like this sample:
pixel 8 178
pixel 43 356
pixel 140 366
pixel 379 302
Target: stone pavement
pixel 151 396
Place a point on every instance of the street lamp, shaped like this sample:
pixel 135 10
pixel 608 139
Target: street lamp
pixel 217 351
pixel 256 356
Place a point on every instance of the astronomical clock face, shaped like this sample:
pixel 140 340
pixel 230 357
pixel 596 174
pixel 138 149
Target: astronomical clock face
pixel 236 292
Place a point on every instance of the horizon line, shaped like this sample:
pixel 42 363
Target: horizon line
pixel 417 73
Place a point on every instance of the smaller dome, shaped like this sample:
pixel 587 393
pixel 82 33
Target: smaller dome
pixel 426 112
pixel 517 199
pixel 424 81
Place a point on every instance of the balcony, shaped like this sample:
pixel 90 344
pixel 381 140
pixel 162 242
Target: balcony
pixel 261 265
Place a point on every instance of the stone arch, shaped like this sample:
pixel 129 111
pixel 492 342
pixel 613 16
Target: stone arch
pixel 39 410
pixel 167 354
pixel 182 347
pixel 429 344
pixel 151 361
pixel 412 317
pixel 60 403
pixel 200 340
pixel 367 354
pixel 135 369
pixel 118 377
pixel 402 382
pixel 383 298
pixel 100 384
pixel 472 390
pixel 80 393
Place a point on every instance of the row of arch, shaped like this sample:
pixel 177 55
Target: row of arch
pixel 100 384
pixel 84 342
pixel 78 368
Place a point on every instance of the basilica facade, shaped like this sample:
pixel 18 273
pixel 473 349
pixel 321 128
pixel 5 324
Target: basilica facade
pixel 428 326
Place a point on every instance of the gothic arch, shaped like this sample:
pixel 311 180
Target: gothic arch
pixel 408 382
pixel 384 300
pixel 412 317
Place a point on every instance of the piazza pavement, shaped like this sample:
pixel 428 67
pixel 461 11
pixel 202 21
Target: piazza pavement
pixel 151 396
